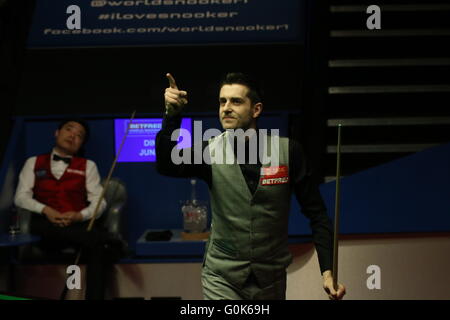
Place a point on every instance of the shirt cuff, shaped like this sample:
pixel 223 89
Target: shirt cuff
pixel 85 213
pixel 39 208
pixel 171 123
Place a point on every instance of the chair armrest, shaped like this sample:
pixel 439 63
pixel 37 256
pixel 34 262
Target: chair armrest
pixel 113 214
pixel 24 220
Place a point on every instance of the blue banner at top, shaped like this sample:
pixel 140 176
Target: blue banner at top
pixel 94 23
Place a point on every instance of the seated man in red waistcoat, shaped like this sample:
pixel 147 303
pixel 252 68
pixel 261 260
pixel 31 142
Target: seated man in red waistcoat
pixel 63 190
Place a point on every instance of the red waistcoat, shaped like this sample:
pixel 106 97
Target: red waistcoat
pixel 66 194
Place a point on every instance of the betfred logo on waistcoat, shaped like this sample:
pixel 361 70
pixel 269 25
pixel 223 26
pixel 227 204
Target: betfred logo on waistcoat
pixel 274 175
pixel 81 173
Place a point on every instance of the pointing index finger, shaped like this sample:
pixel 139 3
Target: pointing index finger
pixel 172 82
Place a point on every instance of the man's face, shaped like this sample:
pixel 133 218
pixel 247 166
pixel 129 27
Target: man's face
pixel 70 137
pixel 236 110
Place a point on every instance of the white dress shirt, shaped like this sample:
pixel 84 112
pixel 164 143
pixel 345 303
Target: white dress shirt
pixel 24 193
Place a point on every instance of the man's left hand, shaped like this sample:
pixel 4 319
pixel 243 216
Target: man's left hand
pixel 328 286
pixel 71 217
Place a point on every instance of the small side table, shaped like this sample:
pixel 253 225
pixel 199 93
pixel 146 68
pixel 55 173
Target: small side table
pixel 17 240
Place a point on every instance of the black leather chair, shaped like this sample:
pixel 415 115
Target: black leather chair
pixel 111 220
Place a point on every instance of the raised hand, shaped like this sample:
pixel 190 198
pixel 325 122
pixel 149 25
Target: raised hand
pixel 174 98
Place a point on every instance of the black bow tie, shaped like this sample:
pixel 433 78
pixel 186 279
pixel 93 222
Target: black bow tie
pixel 58 158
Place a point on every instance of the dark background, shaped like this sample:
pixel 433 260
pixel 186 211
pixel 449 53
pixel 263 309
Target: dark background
pixel 351 75
pixel 398 84
pixel 109 82
pixel 120 80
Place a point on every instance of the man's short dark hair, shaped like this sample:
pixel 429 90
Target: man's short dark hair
pixel 79 121
pixel 255 93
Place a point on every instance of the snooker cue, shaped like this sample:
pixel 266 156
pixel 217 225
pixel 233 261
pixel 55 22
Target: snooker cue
pixel 336 211
pixel 102 195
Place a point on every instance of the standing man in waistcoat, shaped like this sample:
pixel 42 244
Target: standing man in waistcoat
pixel 62 190
pixel 247 254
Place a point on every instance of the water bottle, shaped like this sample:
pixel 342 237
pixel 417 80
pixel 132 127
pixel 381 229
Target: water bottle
pixel 194 213
pixel 14 228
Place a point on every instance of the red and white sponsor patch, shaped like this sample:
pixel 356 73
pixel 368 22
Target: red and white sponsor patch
pixel 82 173
pixel 274 175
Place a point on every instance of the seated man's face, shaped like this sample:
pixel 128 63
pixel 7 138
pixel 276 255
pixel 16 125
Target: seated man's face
pixel 70 137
